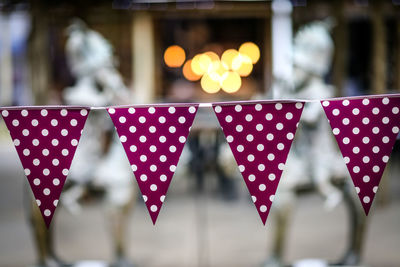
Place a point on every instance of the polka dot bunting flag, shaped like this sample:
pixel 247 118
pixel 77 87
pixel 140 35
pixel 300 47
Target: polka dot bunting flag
pixel 260 136
pixel 46 140
pixel 365 130
pixel 153 138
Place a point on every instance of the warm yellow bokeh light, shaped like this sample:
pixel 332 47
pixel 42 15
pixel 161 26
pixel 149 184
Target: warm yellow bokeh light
pixel 196 68
pixel 228 56
pixel 209 85
pixel 188 72
pixel 242 64
pixel 231 82
pixel 250 49
pixel 205 62
pixel 212 55
pixel 174 56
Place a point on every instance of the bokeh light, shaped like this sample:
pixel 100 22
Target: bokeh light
pixel 228 56
pixel 188 72
pixel 174 56
pixel 250 49
pixel 209 85
pixel 242 64
pixel 231 82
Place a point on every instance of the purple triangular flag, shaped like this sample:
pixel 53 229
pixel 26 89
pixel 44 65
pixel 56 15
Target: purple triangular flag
pixel 260 135
pixel 46 139
pixel 153 138
pixel 365 129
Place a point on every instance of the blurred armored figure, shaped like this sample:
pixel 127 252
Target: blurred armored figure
pixel 100 164
pixel 314 161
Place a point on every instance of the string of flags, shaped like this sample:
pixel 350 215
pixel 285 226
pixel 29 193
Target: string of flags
pixel 259 134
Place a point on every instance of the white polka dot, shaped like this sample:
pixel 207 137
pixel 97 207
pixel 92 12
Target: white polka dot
pixel 5 113
pixel 260 147
pixel 375 189
pixel 241 168
pixel 15 123
pixel 375 111
pixel 153 187
pixel 35 122
pixel 261 167
pixel 162 198
pixel 375 169
pixel 25 132
pixel 55 202
pixel 46 152
pixel 172 129
pixel 26 152
pixel 356 169
pixel 385 120
pixel 365 140
pixel 263 208
pixel 36 181
pixel 44 112
pixel 228 118
pixel 385 101
pixel 346 140
pixel 143 158
pixel 271 198
pixel 74 142
pixel 56 181
pixel 385 159
pixel 250 137
pixel 45 132
pixel 153 148
pixel 366 179
pixel 131 110
pixel 278 106
pixel 132 129
pixel 271 156
pixel 325 103
pixel 240 148
pixel 143 139
pixel 55 162
pixel 239 128
pixel 134 167
pixel 133 148
pixel 335 112
pixel 64 132
pixel 111 110
pixel 365 101
pixel 172 149
pixel 366 199
pixel 47 212
pixel 46 172
pixel 365 120
pixel 182 139
pixel 192 110
pixel 289 116
pixel 229 139
pixel 385 139
pixel 24 113
pixel 375 149
pixel 299 105
pixel 356 111
pixel 262 187
pixel 259 127
pixel 250 157
pixel 182 119
pixel 395 110
pixel 172 168
pixel 151 110
pixel 153 208
pixel 290 136
pixel 356 130
pixel 346 102
pixel 163 158
pixel 357 190
pixel 142 119
pixel 365 159
pixel 375 130
pixel 35 142
pixel 27 171
pixel 218 109
pixel 280 146
pixel 143 177
pixel 144 198
pixel 251 177
pixel 249 117
pixel 54 142
pixel 279 126
pixel 162 119
pixel 336 131
pixel 153 168
pixel 84 112
pixel 270 137
pixel 281 166
pixel 346 121
pixel 171 110
pixel 395 129
pixel 163 178
pixel 356 150
pixel 46 191
pixel 269 116
pixel 16 142
pixel 258 107
pixel 238 108
pixel 346 160
pixel 36 162
pixel 254 199
pixel 74 122
pixel 271 176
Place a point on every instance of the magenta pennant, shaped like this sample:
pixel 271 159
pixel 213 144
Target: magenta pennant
pixel 365 129
pixel 153 138
pixel 260 136
pixel 45 140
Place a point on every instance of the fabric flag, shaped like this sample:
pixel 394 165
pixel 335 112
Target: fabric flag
pixel 46 139
pixel 365 129
pixel 153 138
pixel 260 135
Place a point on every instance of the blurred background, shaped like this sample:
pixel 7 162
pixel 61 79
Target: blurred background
pixel 131 51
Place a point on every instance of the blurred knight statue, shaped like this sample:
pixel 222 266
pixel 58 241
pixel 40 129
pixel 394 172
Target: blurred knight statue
pixel 314 161
pixel 100 164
